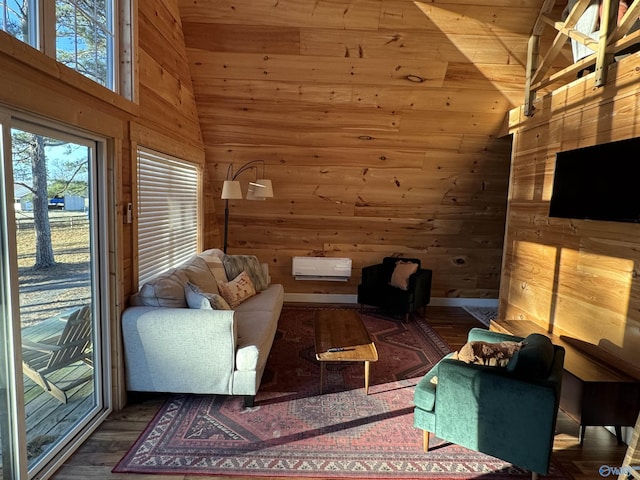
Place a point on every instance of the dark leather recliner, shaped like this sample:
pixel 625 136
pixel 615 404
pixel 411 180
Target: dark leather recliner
pixel 376 290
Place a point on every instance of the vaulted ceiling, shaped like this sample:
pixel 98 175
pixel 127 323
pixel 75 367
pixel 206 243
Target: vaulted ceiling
pixel 379 122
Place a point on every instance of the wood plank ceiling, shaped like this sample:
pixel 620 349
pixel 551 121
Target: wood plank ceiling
pixel 379 123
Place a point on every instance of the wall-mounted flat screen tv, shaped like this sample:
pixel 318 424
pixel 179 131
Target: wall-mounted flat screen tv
pixel 601 182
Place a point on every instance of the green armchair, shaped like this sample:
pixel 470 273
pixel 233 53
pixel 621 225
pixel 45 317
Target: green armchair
pixel 507 412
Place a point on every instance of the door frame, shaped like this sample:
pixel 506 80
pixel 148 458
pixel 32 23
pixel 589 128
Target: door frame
pixel 103 271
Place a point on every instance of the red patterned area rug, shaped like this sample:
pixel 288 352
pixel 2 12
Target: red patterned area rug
pixel 294 431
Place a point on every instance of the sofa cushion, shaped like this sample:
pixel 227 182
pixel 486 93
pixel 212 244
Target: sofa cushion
pixel 213 259
pixel 237 290
pixel 198 273
pixel 255 336
pixel 533 361
pixel 166 290
pixel 213 252
pixel 198 299
pixel 401 273
pixel 265 300
pixel 234 264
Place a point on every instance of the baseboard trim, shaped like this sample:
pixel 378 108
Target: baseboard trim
pixel 353 299
pixel 320 298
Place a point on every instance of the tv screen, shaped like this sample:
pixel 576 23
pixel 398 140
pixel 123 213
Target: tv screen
pixel 601 182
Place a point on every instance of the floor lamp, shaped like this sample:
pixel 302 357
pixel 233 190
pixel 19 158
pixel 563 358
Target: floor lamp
pixel 259 189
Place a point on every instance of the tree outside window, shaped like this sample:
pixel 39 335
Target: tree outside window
pixel 84 33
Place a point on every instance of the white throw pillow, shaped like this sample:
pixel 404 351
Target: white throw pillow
pixel 200 300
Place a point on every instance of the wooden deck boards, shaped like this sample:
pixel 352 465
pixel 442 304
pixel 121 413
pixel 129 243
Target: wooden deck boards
pixel 48 419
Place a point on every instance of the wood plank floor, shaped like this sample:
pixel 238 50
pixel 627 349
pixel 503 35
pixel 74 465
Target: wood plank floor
pixel 95 459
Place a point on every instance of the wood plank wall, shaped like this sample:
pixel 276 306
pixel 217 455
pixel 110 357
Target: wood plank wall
pixel 168 120
pixel 574 277
pixel 378 122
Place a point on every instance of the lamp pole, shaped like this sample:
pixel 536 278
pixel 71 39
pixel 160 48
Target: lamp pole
pixel 226 223
pixel 247 166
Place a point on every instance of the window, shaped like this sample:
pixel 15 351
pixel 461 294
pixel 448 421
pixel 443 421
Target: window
pixel 85 38
pixel 78 33
pixel 167 212
pixel 16 20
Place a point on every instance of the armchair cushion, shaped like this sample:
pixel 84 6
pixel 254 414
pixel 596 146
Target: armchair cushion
pixel 401 273
pixel 376 288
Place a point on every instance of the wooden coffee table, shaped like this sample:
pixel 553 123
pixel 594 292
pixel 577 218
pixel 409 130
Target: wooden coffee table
pixel 342 337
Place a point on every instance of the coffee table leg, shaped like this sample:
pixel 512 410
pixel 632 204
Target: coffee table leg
pixel 321 376
pixel 366 378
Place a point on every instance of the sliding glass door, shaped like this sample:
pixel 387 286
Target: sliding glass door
pixel 54 293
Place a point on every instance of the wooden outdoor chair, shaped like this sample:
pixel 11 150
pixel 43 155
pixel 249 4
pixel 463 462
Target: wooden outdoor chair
pixel 40 360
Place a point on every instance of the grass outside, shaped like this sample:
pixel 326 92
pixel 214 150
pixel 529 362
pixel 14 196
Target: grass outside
pixel 48 292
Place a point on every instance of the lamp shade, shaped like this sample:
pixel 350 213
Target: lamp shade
pixel 265 190
pixel 231 190
pixel 254 191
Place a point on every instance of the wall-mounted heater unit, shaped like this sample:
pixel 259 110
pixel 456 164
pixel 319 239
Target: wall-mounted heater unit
pixel 321 268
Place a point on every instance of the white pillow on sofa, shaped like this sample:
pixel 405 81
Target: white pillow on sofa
pixel 200 300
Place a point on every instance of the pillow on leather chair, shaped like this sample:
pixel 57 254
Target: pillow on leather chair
pixel 401 273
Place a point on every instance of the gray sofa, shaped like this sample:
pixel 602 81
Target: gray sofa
pixel 169 347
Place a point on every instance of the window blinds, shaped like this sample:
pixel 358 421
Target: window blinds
pixel 167 213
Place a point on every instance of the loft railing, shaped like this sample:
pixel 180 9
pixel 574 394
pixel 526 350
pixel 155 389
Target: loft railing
pixel 613 38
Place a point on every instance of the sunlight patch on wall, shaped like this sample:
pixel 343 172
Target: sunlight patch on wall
pixel 547 181
pixel 532 282
pixel 446 18
pixel 462 29
pixel 593 296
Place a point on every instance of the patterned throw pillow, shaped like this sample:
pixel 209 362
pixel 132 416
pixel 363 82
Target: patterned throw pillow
pixel 237 290
pixel 234 264
pixel 496 354
pixel 198 299
pixel 401 273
